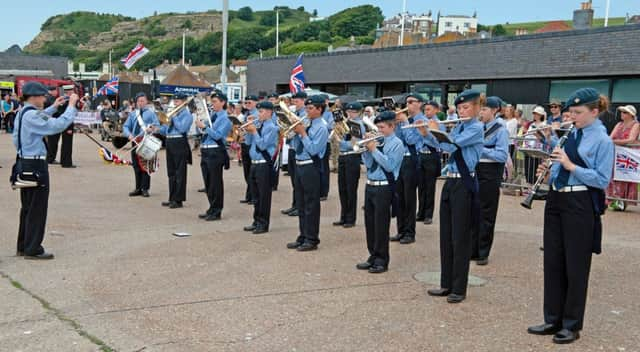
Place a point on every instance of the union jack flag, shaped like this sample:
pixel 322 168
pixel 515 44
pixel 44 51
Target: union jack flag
pixel 625 162
pixel 110 87
pixel 296 81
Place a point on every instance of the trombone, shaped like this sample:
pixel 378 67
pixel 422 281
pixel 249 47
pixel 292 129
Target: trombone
pixel 166 118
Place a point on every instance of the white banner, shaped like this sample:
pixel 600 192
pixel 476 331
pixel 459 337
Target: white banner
pixel 627 165
pixel 87 118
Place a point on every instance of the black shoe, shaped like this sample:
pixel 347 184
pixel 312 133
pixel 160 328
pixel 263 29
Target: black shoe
pixel 166 204
pixel 294 213
pixel 250 228
pixel 541 248
pixel 338 223
pixel 135 193
pixel 428 221
pixel 454 298
pixel 396 238
pixel 69 166
pixel 419 218
pixel 260 230
pixel 19 254
pixel 349 225
pixel 364 266
pixel 306 247
pixel 377 269
pixel 204 216
pixel 294 245
pixel 482 261
pixel 252 202
pixel 175 205
pixel 244 201
pixel 145 193
pixel 322 199
pixel 53 162
pixel 543 329
pixel 439 292
pixel 202 190
pixel 407 239
pixel 42 256
pixel 565 336
pixel 287 211
pixel 213 217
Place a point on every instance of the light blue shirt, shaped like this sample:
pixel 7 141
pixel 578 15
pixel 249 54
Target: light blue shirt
pixel 468 136
pixel 37 124
pixel 314 143
pixel 327 116
pixel 388 160
pixel 501 120
pixel 597 151
pixel 266 140
pixel 220 129
pixel 496 146
pixel 248 138
pixel 345 145
pixel 411 136
pixel 429 140
pixel 132 127
pixel 179 125
pixel 301 113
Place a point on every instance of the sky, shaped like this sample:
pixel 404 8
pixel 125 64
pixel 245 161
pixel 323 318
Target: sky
pixel 26 17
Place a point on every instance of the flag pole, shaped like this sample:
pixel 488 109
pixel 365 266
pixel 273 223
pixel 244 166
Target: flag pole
pixel 225 24
pixel 606 15
pixel 277 32
pixel 404 9
pixel 184 36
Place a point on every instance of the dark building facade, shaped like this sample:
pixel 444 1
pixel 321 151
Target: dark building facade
pixel 528 69
pixel 19 64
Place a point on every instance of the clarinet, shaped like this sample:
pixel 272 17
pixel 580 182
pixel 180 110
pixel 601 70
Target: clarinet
pixel 536 186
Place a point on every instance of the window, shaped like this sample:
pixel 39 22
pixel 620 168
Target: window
pixel 235 93
pixel 626 91
pixel 362 90
pixel 562 89
pixel 467 25
pixel 448 24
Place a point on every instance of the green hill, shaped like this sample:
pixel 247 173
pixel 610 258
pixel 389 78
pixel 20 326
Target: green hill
pixel 534 26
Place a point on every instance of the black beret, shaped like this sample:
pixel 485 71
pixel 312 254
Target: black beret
pixel 180 96
pixel 354 106
pixel 52 88
pixel 385 116
pixel 416 96
pixel 494 102
pixel 140 95
pixel 467 95
pixel 314 100
pixel 252 98
pixel 218 94
pixel 265 105
pixel 324 96
pixel 433 103
pixel 34 89
pixel 582 96
pixel 273 95
pixel 300 95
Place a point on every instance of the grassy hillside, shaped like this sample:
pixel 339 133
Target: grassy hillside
pixel 534 26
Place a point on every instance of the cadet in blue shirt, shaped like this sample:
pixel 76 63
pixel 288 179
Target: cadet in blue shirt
pixel 349 169
pixel 274 99
pixel 31 125
pixel 214 155
pixel 383 167
pixel 310 144
pixel 327 116
pixel 178 153
pixel 298 100
pixel 489 170
pixel 409 175
pixel 572 226
pixel 430 166
pixel 250 112
pixel 264 142
pixel 134 128
pixel 458 207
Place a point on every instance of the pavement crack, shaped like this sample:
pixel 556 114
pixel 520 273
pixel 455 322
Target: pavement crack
pixel 59 315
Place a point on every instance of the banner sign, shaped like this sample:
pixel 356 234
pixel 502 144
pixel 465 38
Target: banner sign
pixel 166 89
pixel 87 118
pixel 627 165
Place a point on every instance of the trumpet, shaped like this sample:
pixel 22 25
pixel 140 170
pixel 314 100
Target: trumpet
pixel 244 126
pixel 305 121
pixel 361 146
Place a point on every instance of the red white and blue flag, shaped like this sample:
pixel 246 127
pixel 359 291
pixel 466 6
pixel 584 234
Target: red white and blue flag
pixel 627 166
pixel 110 88
pixel 296 81
pixel 136 54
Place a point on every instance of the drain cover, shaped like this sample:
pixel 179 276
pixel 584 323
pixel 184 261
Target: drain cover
pixel 433 278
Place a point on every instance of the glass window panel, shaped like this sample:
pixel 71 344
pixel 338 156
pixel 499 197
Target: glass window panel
pixel 626 91
pixel 562 89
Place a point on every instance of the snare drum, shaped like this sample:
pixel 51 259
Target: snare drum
pixel 149 147
pixel 534 148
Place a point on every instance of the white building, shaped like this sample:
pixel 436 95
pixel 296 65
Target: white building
pixel 82 72
pixel 460 24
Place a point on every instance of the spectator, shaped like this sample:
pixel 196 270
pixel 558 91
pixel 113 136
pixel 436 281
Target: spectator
pixel 531 163
pixel 451 114
pixel 512 122
pixel 624 133
pixel 8 111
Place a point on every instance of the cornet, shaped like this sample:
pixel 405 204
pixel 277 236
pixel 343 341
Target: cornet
pixel 361 146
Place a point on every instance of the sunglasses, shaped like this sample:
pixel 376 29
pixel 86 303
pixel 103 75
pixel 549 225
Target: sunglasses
pixel 412 101
pixel 554 106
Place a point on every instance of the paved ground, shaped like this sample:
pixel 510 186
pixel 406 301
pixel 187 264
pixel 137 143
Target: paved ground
pixel 122 282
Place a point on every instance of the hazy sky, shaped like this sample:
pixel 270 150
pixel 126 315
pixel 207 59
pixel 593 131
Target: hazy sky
pixel 22 20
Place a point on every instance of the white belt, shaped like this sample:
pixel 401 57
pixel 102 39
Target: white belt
pixel 208 146
pixel 427 152
pixel 571 189
pixel 348 153
pixel 488 161
pixel 172 136
pixel 407 154
pixel 254 162
pixel 377 183
pixel 303 162
pixel 35 157
pixel 457 175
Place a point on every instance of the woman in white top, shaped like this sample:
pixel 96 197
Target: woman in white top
pixel 531 163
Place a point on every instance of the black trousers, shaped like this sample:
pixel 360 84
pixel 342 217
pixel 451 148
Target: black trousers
pixel 326 172
pixel 489 179
pixel 291 168
pixel 406 188
pixel 246 169
pixel 260 178
pixel 33 212
pixel 307 192
pixel 348 179
pixel 143 179
pixel 177 153
pixel 568 243
pixel 429 170
pixel 52 147
pixel 455 235
pixel 530 169
pixel 377 218
pixel 67 147
pixel 211 164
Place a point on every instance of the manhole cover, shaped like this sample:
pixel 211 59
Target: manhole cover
pixel 433 278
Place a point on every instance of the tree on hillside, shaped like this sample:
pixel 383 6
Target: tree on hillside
pixel 245 13
pixel 315 13
pixel 268 19
pixel 499 30
pixel 356 21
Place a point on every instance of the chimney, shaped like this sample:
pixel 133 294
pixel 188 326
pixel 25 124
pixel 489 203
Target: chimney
pixel 583 18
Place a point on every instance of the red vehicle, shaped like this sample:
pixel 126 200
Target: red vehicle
pixel 21 80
